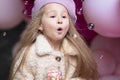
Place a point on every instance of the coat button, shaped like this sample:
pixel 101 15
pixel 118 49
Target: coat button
pixel 58 58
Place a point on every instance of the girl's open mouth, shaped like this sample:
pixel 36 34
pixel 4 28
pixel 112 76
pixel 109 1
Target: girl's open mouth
pixel 59 29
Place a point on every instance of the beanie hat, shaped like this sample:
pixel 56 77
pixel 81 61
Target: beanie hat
pixel 68 4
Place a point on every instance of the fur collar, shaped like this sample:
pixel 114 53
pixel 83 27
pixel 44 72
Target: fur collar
pixel 43 47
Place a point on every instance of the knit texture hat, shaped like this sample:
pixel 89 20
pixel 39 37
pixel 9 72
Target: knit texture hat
pixel 69 4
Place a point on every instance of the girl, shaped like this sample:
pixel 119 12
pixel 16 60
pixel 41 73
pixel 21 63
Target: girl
pixel 51 48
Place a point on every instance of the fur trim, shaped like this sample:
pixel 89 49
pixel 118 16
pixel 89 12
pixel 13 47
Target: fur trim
pixel 43 47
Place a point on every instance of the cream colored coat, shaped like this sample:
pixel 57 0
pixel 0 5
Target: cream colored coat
pixel 42 57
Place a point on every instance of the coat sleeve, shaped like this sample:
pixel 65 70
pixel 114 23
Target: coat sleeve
pixel 25 72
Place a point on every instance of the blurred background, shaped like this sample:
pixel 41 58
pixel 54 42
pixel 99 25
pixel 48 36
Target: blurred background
pixel 98 22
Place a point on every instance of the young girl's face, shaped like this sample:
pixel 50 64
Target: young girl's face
pixel 55 21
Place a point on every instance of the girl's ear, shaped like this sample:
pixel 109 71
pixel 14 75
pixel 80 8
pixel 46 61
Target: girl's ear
pixel 40 27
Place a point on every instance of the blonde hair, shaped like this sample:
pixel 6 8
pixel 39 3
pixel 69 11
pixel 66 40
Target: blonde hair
pixel 86 65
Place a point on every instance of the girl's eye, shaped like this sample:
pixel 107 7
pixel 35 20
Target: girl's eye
pixel 52 16
pixel 63 16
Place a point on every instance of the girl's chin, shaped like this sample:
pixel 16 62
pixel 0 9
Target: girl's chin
pixel 57 39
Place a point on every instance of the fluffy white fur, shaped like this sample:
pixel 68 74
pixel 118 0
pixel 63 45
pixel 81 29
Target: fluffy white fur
pixel 41 57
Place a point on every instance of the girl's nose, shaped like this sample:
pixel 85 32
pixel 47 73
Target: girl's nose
pixel 59 22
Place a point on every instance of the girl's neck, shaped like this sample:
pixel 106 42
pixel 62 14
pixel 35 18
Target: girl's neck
pixel 56 45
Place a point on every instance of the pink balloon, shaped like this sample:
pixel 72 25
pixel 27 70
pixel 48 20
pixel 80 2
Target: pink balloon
pixel 105 15
pixel 110 77
pixel 10 13
pixel 105 61
pixel 117 70
pixel 110 44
